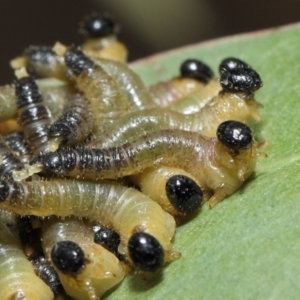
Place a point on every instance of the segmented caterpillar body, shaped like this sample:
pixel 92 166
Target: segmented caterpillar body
pixel 74 125
pixel 108 203
pixel 220 165
pixel 34 116
pixel 16 271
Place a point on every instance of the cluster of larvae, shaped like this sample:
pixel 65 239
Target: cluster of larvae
pixel 114 165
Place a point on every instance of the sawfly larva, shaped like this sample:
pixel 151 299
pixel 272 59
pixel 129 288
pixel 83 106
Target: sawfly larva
pixel 108 203
pixel 34 116
pixel 55 95
pixel 74 125
pixel 17 277
pixel 194 76
pixel 220 165
pixel 101 40
pixel 100 89
pixel 86 270
pixel 137 95
pixel 175 190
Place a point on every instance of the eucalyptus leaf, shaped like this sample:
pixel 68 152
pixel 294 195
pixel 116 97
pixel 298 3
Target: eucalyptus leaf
pixel 248 246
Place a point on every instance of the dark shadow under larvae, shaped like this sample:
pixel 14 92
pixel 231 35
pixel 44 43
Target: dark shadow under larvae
pixel 34 117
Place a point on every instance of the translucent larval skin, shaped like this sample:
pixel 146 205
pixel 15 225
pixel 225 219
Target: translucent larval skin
pixel 219 170
pixel 195 101
pixel 74 125
pixel 55 95
pixel 33 115
pixel 106 47
pixel 108 203
pixel 100 89
pixel 15 270
pixel 9 161
pixel 166 93
pixel 101 271
pixel 130 84
pixel 223 107
pixel 153 182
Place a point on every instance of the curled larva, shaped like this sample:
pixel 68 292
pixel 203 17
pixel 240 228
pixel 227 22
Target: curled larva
pixel 74 125
pixel 100 89
pixel 220 165
pixel 175 190
pixel 136 93
pixel 194 76
pixel 33 115
pixel 9 161
pixel 44 270
pixel 18 144
pixel 108 203
pixel 235 102
pixel 90 273
pixel 101 40
pixel 17 277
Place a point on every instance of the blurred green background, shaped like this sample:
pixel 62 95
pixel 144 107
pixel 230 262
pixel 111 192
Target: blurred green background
pixel 147 26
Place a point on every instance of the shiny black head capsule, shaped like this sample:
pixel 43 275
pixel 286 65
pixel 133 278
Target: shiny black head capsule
pixel 68 257
pixel 77 61
pixel 4 190
pixel 232 63
pixel 235 135
pixel 145 252
pixel 196 69
pixel 184 193
pixel 27 92
pixel 40 54
pixel 240 80
pixel 97 26
pixel 107 238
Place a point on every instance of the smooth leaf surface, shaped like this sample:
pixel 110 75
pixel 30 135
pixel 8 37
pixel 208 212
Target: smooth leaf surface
pixel 248 246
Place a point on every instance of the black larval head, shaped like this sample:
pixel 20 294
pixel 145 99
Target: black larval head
pixel 97 26
pixel 235 135
pixel 145 252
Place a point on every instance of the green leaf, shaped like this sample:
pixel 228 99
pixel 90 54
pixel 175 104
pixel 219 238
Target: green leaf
pixel 248 246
